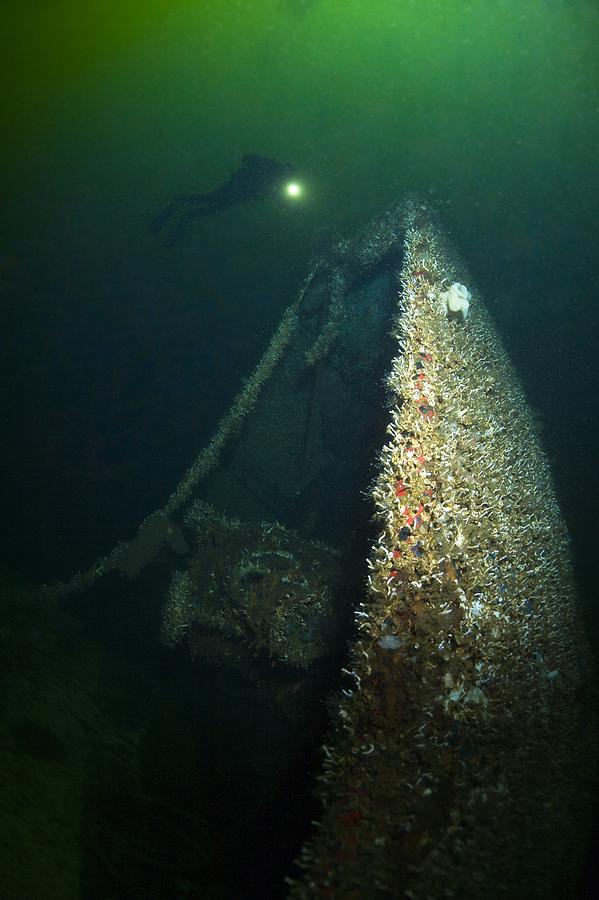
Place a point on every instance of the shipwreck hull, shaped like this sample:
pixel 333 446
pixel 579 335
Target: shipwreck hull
pixel 463 737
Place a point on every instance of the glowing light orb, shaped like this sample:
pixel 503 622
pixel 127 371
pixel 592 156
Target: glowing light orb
pixel 293 189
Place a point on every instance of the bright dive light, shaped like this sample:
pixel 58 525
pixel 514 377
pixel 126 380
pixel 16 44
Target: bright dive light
pixel 293 189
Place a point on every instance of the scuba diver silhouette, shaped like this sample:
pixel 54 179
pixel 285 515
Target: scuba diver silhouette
pixel 258 177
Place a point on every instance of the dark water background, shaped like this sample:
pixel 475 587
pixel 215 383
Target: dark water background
pixel 120 354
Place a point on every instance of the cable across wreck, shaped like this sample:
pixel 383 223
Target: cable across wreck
pixel 458 761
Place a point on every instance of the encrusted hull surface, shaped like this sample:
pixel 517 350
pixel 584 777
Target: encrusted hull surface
pixel 463 737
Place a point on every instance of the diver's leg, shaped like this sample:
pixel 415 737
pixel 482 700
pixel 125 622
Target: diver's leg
pixel 166 214
pixel 181 201
pixel 190 213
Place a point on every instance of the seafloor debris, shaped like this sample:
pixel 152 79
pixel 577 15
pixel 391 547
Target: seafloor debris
pixel 464 734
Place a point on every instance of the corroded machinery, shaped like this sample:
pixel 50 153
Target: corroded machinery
pixel 458 762
pixel 259 585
